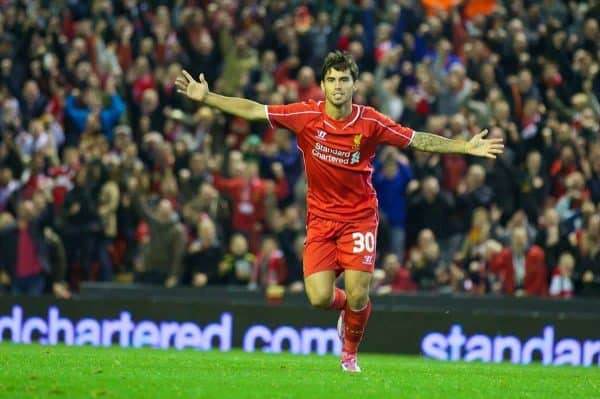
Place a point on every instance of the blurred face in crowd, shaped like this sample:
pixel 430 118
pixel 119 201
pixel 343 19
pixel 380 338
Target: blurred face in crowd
pixel 480 217
pixel 530 108
pixel 432 251
pixel 525 81
pixel 488 75
pixel 338 87
pixel 39 201
pixel 207 192
pixel 475 177
pixel 5 176
pixel 575 183
pixel 431 188
pixel 26 211
pixel 269 60
pixel 356 50
pixel 534 162
pixel 149 101
pixel 425 238
pixel 268 246
pixel 6 219
pixel 519 240
pixel 306 77
pixel 566 264
pixel 502 110
pixel 593 227
pixel 207 231
pixel 567 154
pixel 238 245
pixel 520 42
pixel 164 211
pixel 251 170
pixel 197 164
pixel 31 91
pixel 168 187
pixel 458 124
pixel 147 46
pixel 83 71
pixel 38 162
pixel 456 77
pixel 390 168
pixel 36 128
pixel 391 264
pixel 142 66
pixel 323 19
pixel 591 29
pixel 551 217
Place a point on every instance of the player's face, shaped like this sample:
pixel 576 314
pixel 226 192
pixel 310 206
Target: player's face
pixel 338 86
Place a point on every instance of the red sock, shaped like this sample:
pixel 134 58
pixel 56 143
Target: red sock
pixel 354 327
pixel 339 299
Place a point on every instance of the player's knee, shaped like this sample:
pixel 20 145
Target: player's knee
pixel 320 299
pixel 357 298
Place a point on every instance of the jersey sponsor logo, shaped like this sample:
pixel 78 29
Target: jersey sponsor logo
pixel 330 154
pixel 355 158
pixel 321 135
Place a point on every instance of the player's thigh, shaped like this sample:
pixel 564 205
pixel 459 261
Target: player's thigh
pixel 357 245
pixel 320 268
pixel 319 287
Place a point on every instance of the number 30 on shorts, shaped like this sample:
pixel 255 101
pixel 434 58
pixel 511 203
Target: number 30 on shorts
pixel 363 241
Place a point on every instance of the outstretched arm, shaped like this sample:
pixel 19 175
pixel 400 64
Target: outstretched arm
pixel 198 91
pixel 477 146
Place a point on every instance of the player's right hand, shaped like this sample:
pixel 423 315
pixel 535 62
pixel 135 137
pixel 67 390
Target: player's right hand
pixel 195 90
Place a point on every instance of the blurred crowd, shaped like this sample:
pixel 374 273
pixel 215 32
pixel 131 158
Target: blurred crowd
pixel 107 174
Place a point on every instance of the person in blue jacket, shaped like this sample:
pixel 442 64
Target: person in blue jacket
pixel 91 99
pixel 391 180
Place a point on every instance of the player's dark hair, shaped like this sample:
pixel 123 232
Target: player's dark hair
pixel 340 61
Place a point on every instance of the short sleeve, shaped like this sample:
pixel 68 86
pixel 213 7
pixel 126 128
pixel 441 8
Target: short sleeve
pixel 293 116
pixel 388 131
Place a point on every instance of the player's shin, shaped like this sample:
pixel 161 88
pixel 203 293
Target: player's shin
pixel 354 327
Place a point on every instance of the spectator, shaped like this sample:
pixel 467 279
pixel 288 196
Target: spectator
pixel 24 252
pixel 393 277
pixel 424 260
pixel 204 255
pixel 250 195
pixel 519 269
pixel 569 204
pixel 391 181
pixel 237 265
pixel 562 284
pixel 162 256
pixel 270 267
pixel 533 186
pixel 434 209
pixel 90 110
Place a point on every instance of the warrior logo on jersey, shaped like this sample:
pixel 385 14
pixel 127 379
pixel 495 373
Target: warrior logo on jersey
pixel 356 142
pixel 321 134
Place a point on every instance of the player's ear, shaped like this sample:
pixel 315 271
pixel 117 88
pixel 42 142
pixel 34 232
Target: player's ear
pixel 322 86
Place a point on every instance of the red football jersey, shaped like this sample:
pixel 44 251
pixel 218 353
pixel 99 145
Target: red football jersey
pixel 338 155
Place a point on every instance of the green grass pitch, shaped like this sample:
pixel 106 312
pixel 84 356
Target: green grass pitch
pixel 35 371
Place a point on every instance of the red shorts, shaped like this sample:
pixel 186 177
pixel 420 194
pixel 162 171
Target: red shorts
pixel 333 245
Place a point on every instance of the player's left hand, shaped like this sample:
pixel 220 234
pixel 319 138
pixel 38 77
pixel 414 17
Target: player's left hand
pixel 481 147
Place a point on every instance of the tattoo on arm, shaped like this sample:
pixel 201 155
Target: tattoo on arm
pixel 433 143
